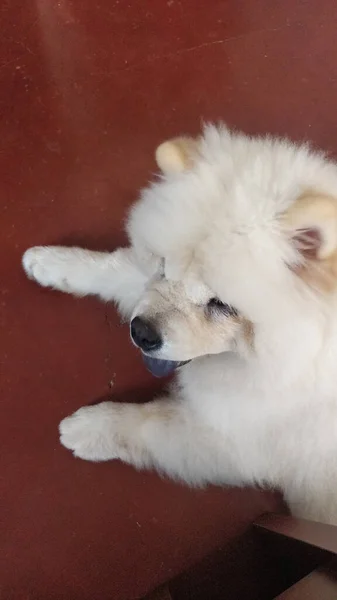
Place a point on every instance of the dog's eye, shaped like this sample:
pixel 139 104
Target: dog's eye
pixel 216 304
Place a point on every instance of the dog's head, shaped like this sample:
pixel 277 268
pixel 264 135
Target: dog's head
pixel 242 235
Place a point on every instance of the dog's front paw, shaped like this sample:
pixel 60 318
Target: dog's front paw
pixel 47 265
pixel 91 432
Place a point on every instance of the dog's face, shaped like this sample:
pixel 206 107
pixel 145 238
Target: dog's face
pixel 178 319
pixel 235 234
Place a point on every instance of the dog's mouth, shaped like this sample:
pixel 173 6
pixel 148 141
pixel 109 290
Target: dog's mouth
pixel 162 368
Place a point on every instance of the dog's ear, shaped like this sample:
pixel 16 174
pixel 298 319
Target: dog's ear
pixel 312 224
pixel 177 155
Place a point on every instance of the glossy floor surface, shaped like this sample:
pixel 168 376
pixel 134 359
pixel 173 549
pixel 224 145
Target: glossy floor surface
pixel 87 90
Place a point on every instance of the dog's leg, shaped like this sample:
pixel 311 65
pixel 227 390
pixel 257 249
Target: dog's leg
pixel 112 276
pixel 162 434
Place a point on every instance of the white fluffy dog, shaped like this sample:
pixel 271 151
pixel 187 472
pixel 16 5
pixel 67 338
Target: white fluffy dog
pixel 231 269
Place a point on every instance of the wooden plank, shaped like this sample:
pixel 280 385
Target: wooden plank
pixel 312 533
pixel 321 584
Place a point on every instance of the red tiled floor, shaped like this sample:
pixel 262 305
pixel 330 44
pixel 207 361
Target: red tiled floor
pixel 87 91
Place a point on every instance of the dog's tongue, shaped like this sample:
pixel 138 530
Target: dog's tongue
pixel 160 368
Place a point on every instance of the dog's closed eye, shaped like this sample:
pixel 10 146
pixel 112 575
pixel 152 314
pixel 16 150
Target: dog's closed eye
pixel 214 304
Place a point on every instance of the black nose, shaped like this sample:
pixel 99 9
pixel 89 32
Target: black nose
pixel 145 335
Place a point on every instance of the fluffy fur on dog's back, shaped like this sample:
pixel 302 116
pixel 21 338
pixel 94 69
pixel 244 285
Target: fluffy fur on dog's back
pixel 233 264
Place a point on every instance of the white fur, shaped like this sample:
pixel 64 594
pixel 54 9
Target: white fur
pixel 266 416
